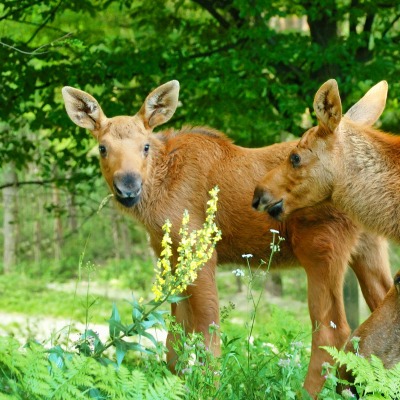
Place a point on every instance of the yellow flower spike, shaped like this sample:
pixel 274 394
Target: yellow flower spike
pixel 194 250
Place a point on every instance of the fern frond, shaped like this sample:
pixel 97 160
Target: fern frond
pixel 140 385
pixel 36 378
pixel 371 378
pixel 169 388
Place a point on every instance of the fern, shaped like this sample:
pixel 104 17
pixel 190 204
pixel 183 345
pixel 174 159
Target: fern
pixel 140 385
pixel 70 381
pixel 372 380
pixel 166 389
pixel 29 373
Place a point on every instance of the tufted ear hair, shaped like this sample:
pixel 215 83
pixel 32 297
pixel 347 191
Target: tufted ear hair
pixel 160 105
pixel 83 109
pixel 328 106
pixel 370 107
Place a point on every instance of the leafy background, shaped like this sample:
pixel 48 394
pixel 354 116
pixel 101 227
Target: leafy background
pixel 249 68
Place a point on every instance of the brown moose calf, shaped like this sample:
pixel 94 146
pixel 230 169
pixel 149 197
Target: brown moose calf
pixel 157 175
pixel 380 333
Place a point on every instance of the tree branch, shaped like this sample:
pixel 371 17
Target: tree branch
pixel 19 9
pixel 38 182
pixel 51 15
pixel 353 19
pixel 217 50
pixel 207 5
pixel 36 51
pixel 395 19
pixel 369 20
pixel 363 53
pixel 30 23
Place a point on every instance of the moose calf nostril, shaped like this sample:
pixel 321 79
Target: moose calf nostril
pixel 256 202
pixel 128 185
pixel 276 210
pixel 117 190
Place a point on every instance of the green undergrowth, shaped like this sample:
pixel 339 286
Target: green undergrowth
pixel 33 297
pixel 372 381
pixel 265 350
pixel 35 373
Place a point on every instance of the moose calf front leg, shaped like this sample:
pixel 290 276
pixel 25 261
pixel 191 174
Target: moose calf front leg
pixel 330 327
pixel 198 312
pixel 370 262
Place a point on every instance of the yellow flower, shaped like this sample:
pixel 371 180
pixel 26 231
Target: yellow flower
pixel 194 250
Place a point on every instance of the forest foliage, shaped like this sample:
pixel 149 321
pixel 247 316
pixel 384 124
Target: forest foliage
pixel 249 68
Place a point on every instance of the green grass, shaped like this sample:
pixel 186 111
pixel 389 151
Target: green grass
pixel 36 297
pixel 33 297
pixel 271 364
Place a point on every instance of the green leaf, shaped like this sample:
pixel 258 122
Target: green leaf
pixel 120 350
pixel 137 313
pixel 150 337
pixel 174 298
pixel 115 325
pixel 158 315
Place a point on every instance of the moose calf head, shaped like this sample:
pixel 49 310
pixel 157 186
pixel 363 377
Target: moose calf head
pixel 125 142
pixel 315 165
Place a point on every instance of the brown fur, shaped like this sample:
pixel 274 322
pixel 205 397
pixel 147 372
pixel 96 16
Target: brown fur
pixel 177 173
pixel 343 160
pixel 380 333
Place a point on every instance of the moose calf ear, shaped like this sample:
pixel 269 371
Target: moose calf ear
pixel 160 105
pixel 327 105
pixel 370 107
pixel 82 108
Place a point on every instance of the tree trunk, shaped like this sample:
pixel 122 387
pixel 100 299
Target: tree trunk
pixel 58 230
pixel 73 220
pixel 274 285
pixel 10 223
pixel 126 237
pixel 115 234
pixel 37 254
pixel 351 299
pixel 323 31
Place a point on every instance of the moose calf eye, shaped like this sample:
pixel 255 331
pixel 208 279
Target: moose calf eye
pixel 146 148
pixel 295 159
pixel 102 150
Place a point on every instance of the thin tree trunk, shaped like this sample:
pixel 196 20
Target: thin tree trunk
pixel 115 235
pixel 126 237
pixel 10 224
pixel 58 230
pixel 275 284
pixel 38 232
pixel 351 299
pixel 73 221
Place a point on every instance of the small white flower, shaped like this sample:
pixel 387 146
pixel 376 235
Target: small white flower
pixel 213 325
pixel 274 247
pixel 347 394
pixel 192 359
pixel 238 272
pixel 298 345
pixel 284 362
pixel 273 348
pixel 274 231
pixel 247 255
pixel 332 324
